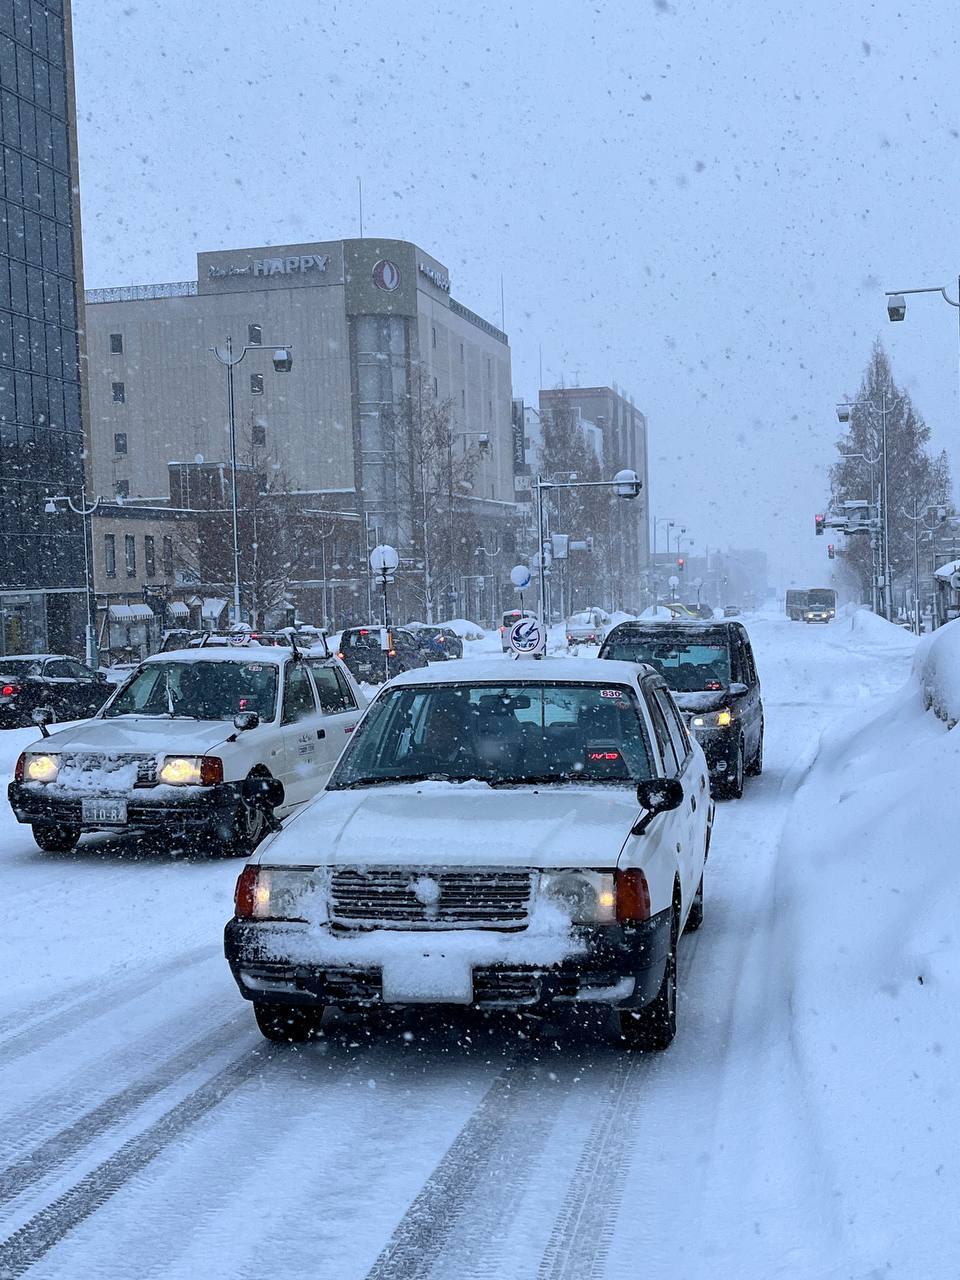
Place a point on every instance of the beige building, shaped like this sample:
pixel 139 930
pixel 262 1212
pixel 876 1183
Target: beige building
pixel 373 330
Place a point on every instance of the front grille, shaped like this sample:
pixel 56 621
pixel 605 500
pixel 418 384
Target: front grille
pixel 429 898
pixel 506 986
pixel 108 763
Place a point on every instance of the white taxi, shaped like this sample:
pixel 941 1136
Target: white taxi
pixel 209 746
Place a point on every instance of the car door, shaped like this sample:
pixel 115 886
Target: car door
pixel 303 733
pixel 339 709
pixel 679 762
pixel 750 712
pixel 696 764
pixel 61 688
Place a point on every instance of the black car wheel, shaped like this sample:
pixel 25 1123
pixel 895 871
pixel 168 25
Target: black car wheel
pixel 755 767
pixel 730 786
pixel 56 839
pixel 654 1027
pixel 287 1024
pixel 246 830
pixel 695 914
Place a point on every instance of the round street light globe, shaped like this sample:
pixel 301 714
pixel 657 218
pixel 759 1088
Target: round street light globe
pixel 520 576
pixel 384 559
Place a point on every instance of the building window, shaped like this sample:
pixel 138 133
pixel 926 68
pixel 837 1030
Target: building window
pixel 256 384
pixel 149 556
pixel 168 558
pixel 119 393
pixel 123 488
pixel 258 435
pixel 436 389
pixel 130 554
pixel 490 409
pixel 116 344
pixel 461 353
pixel 110 554
pixel 433 336
pixel 254 335
pixel 119 442
pixel 488 366
pixel 463 398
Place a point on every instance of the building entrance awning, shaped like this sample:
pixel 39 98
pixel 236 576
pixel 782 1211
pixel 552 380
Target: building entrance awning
pixel 130 613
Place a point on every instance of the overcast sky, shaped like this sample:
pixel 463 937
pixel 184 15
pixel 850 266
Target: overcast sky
pixel 702 202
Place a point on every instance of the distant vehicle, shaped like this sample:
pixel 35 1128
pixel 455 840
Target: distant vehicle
pixel 587 627
pixel 699 609
pixel 367 662
pixel 731 611
pixel 571 876
pixel 795 604
pixel 712 674
pixel 210 746
pixel 69 689
pixel 439 644
pixel 508 621
pixel 820 605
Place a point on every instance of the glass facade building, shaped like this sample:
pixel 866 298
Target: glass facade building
pixel 42 601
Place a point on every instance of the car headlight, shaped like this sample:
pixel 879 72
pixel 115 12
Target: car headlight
pixel 280 893
pixel 191 771
pixel 588 897
pixel 42 768
pixel 713 719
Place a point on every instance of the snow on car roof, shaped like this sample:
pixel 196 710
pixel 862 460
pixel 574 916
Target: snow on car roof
pixel 273 654
pixel 505 671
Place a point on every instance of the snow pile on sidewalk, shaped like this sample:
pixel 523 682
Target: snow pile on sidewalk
pixel 865 939
pixel 870 630
pixel 937 669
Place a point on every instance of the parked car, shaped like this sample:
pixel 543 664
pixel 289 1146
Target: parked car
pixel 208 746
pixel 569 876
pixel 712 673
pixel 69 689
pixel 589 626
pixel 361 652
pixel 438 644
pixel 509 621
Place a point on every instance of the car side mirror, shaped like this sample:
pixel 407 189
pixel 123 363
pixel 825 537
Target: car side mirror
pixel 244 720
pixel 737 689
pixel 660 795
pixel 267 792
pixel 41 717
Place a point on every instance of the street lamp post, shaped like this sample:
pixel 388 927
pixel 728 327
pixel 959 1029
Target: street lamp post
pixel 918 519
pixel 282 363
pixel 668 523
pixel 874 542
pixel 626 483
pixel 844 410
pixel 51 507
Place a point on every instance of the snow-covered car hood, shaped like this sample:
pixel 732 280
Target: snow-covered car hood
pixel 458 824
pixel 122 734
pixel 703 700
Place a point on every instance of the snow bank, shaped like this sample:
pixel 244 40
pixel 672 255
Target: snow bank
pixel 936 667
pixel 872 630
pixel 657 611
pixel 863 939
pixel 464 628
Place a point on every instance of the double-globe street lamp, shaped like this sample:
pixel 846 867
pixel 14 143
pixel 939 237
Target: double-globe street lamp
pixel 626 484
pixel 51 506
pixel 844 409
pixel 282 363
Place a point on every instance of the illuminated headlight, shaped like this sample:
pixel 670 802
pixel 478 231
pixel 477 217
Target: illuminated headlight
pixel 42 768
pixel 713 719
pixel 191 771
pixel 280 893
pixel 588 897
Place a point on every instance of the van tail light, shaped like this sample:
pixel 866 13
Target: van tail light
pixel 633 896
pixel 245 894
pixel 8 690
pixel 21 764
pixel 211 771
pixel 340 654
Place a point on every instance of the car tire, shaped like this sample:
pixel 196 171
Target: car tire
pixel 287 1023
pixel 731 786
pixel 695 914
pixel 56 839
pixel 755 767
pixel 654 1027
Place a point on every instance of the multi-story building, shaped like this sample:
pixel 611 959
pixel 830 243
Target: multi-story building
pixel 42 583
pixel 623 429
pixel 382 357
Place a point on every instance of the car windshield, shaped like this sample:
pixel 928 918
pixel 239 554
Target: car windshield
pixel 520 734
pixel 199 690
pixel 687 665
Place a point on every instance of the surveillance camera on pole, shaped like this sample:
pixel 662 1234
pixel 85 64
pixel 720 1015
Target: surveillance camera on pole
pixel 627 484
pixel 843 413
pixel 896 306
pixel 282 360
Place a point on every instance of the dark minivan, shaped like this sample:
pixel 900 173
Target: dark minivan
pixel 711 671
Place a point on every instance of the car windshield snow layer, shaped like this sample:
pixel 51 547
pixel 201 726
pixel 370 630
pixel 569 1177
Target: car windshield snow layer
pixel 688 665
pixel 199 690
pixel 520 734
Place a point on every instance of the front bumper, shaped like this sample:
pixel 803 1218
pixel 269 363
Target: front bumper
pixel 623 966
pixel 719 746
pixel 164 808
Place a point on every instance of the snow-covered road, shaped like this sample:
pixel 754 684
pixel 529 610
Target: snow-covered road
pixel 148 1131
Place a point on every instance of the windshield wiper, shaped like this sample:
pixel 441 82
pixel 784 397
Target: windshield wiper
pixel 387 779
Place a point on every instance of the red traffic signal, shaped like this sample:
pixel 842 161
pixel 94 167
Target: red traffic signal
pixel 831 551
pixel 681 564
pixel 818 522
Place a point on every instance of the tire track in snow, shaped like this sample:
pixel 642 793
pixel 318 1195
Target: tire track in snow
pixel 59 1147
pixel 48 1227
pixel 103 998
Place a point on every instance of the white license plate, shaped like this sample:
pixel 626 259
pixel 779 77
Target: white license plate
pixel 113 812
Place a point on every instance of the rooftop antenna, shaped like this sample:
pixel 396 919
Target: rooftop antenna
pixel 540 354
pixel 501 300
pixel 360 202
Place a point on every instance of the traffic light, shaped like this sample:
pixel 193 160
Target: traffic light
pixel 681 564
pixel 831 551
pixel 818 521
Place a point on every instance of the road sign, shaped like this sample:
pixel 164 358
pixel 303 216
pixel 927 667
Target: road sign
pixel 528 638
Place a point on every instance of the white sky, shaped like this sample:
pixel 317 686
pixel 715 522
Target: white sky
pixel 700 201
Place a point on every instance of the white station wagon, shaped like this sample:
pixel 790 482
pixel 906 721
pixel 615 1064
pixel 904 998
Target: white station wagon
pixel 208 746
pixel 517 834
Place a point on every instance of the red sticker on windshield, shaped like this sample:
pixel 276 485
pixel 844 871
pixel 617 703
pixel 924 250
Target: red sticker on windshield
pixel 611 693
